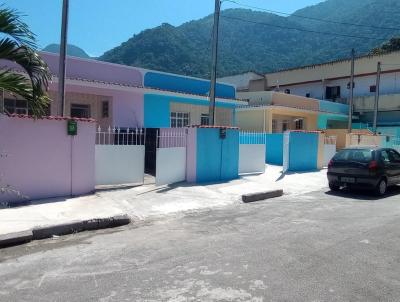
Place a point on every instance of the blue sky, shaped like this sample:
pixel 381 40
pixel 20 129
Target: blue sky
pixel 99 25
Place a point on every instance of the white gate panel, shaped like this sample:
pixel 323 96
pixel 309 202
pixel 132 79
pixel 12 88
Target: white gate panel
pixel 170 165
pixel 286 151
pixel 329 152
pixel 251 158
pixel 119 164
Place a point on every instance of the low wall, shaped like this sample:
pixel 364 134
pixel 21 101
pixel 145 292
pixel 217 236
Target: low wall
pixel 39 160
pixel 171 165
pixel 274 149
pixel 119 164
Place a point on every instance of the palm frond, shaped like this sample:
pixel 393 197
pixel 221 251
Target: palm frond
pixel 12 25
pixel 18 84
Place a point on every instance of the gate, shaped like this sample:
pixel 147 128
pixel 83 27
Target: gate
pixel 252 152
pixel 329 149
pixel 119 156
pixel 171 155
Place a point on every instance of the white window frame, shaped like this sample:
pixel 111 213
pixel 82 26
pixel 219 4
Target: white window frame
pixel 77 105
pixel 299 124
pixel 179 119
pixel 205 116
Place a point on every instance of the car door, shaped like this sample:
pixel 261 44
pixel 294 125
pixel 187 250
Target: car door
pixel 388 166
pixel 394 157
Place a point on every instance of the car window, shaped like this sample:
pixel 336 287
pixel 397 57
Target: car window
pixel 385 156
pixel 359 155
pixel 394 156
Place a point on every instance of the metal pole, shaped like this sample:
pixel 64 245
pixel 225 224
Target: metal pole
pixel 2 101
pixel 376 105
pixel 350 125
pixel 62 58
pixel 214 63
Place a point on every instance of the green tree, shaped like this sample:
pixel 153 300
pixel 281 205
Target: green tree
pixel 18 44
pixel 392 45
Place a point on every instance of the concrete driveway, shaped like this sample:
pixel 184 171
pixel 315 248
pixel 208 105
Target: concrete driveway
pixel 311 247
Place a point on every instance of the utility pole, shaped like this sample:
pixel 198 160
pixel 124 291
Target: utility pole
pixel 376 105
pixel 214 63
pixel 350 125
pixel 62 57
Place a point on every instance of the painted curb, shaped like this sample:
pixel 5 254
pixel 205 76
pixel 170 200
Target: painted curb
pixel 80 226
pixel 15 238
pixel 261 195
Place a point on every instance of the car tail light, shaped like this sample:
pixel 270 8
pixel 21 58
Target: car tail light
pixel 373 166
pixel 330 164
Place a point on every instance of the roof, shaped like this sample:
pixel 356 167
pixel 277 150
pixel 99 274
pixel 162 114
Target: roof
pixel 331 62
pixel 55 118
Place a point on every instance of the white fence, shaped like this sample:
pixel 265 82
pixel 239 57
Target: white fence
pixel 171 156
pixel 119 156
pixel 252 150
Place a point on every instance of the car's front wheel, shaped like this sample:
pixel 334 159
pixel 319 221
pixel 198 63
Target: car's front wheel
pixel 334 187
pixel 381 188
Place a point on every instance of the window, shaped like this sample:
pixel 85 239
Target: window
pixel 385 156
pixel 180 119
pixel 105 109
pixel 308 95
pixel 204 120
pixel 394 156
pixel 285 125
pixel 299 124
pixel 333 92
pixel 80 111
pixel 287 91
pixel 372 88
pixel 359 155
pixel 16 106
pixel 274 126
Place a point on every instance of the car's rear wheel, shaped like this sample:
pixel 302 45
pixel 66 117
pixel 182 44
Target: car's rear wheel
pixel 334 187
pixel 381 188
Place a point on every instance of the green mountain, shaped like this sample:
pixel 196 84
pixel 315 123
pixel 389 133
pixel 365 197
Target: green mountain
pixel 72 50
pixel 261 41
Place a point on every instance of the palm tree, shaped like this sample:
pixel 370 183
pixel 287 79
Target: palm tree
pixel 18 45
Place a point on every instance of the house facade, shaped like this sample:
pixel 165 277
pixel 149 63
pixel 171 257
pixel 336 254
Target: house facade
pixel 275 112
pixel 129 97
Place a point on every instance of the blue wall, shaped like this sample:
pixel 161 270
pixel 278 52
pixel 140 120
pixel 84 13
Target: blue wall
pixel 274 149
pixel 157 113
pixel 333 107
pixel 185 84
pixel 323 119
pixel 303 151
pixel 217 159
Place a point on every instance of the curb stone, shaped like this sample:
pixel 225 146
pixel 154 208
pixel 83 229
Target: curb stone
pixel 38 233
pixel 15 238
pixel 261 195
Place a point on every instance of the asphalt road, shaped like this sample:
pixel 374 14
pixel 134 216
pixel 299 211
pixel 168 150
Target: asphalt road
pixel 317 247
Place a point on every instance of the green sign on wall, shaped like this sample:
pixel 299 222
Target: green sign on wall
pixel 72 127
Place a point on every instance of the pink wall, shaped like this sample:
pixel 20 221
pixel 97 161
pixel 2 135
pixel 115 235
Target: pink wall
pixel 191 155
pixel 37 157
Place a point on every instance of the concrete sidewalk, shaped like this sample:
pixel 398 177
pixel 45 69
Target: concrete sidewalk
pixel 147 201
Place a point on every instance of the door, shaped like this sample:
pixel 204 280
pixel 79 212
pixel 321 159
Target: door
pixel 395 162
pixel 390 167
pixel 151 150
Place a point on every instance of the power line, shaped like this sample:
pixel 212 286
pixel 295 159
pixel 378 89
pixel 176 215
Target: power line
pixel 304 30
pixel 310 18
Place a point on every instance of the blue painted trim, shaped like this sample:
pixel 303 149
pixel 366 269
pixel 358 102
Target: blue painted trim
pixel 185 84
pixel 157 108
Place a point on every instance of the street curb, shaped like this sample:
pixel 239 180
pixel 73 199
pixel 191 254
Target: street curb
pixel 15 238
pixel 261 195
pixel 38 233
pixel 80 226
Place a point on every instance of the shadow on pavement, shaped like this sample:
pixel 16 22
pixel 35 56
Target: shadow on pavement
pixel 364 195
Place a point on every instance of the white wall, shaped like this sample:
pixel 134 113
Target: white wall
pixel 329 152
pixel 119 164
pixel 170 165
pixel 251 158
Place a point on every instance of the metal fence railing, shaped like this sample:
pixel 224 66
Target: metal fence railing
pixel 171 137
pixel 330 140
pixel 252 138
pixel 120 136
